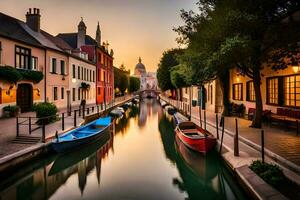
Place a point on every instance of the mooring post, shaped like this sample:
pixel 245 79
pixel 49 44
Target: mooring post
pixel 200 116
pixel 217 126
pixel 236 139
pixel 63 121
pixel 205 119
pixel 263 145
pixel 29 126
pixel 43 133
pixel 222 137
pixel 83 112
pixel 17 123
pixel 75 118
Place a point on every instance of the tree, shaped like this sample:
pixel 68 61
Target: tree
pixel 241 34
pixel 167 62
pixel 123 83
pixel 134 84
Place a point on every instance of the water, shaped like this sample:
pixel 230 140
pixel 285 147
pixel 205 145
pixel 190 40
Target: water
pixel 139 159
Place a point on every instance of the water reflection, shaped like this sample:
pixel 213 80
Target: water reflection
pixel 138 159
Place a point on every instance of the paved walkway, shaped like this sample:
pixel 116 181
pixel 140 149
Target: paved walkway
pixel 8 128
pixel 278 140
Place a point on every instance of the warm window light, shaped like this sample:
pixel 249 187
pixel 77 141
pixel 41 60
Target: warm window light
pixel 238 79
pixel 73 80
pixel 296 69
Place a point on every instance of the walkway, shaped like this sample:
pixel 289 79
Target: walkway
pixel 8 129
pixel 278 140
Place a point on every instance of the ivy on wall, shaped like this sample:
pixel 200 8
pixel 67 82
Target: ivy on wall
pixel 13 75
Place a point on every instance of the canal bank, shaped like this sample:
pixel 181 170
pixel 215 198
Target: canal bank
pixel 141 152
pixel 21 157
pixel 239 165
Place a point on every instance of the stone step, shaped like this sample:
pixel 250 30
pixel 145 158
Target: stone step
pixel 26 140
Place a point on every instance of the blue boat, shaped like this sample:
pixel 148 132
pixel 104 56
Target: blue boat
pixel 81 135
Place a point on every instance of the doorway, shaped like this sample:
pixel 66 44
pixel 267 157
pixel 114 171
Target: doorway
pixel 24 97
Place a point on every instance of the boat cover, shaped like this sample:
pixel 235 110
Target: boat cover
pixel 104 121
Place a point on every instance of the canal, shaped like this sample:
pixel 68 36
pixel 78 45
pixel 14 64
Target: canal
pixel 138 159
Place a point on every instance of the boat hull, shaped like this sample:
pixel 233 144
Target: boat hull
pixel 66 146
pixel 202 145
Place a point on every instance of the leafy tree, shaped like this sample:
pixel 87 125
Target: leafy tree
pixel 123 83
pixel 236 33
pixel 134 84
pixel 167 62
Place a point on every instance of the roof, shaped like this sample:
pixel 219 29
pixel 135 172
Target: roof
pixel 14 29
pixel 57 41
pixel 71 39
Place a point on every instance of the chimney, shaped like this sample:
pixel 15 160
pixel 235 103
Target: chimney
pixel 33 19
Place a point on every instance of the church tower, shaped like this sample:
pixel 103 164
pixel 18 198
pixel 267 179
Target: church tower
pixel 81 34
pixel 98 35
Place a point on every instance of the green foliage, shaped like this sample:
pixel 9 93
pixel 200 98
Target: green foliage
pixel 12 110
pixel 270 173
pixel 10 74
pixel 134 84
pixel 35 76
pixel 46 112
pixel 13 75
pixel 167 62
pixel 85 86
pixel 179 76
pixel 123 83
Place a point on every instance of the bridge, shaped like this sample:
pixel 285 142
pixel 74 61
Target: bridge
pixel 149 93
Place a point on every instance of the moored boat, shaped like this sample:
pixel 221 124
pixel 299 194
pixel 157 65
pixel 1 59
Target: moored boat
pixel 171 110
pixel 81 135
pixel 195 137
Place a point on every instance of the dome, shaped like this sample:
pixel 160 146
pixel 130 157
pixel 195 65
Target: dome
pixel 140 68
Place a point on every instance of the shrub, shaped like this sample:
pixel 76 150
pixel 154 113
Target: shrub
pixel 13 110
pixel 46 112
pixel 270 173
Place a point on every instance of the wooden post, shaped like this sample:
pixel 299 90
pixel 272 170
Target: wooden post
pixel 43 133
pixel 200 116
pixel 205 119
pixel 236 139
pixel 29 126
pixel 17 123
pixel 88 111
pixel 79 114
pixel 93 109
pixel 63 121
pixel 263 145
pixel 222 137
pixel 83 112
pixel 217 126
pixel 75 118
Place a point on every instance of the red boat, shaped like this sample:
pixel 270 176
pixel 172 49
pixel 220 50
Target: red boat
pixel 195 137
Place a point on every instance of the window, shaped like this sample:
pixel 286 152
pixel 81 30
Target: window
pixel 237 91
pixel 78 93
pixel 55 97
pixel 22 57
pixel 272 91
pixel 291 89
pixel 250 96
pixel 34 63
pixel 73 94
pixel 62 93
pixel 78 72
pixel 81 73
pixel 99 91
pixel 53 66
pixel 93 76
pixel 90 75
pixel 62 67
pixel 74 71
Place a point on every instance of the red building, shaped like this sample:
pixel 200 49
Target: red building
pixel 99 54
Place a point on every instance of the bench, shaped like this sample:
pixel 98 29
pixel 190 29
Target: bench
pixel 287 116
pixel 266 114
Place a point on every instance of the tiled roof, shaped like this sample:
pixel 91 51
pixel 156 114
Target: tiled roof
pixel 57 41
pixel 13 28
pixel 71 39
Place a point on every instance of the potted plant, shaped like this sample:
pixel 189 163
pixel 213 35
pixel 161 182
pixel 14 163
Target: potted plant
pixel 11 111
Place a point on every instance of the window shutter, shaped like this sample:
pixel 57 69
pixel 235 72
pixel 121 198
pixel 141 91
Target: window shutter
pixel 51 65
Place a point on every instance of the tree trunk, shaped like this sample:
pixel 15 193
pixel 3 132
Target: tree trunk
pixel 256 123
pixel 224 84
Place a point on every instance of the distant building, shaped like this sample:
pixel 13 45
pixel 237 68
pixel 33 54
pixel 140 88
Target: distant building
pixel 148 80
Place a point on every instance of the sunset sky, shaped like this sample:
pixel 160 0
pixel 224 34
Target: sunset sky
pixel 132 27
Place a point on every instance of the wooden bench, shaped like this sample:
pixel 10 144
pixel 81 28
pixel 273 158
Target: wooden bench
pixel 288 117
pixel 265 114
